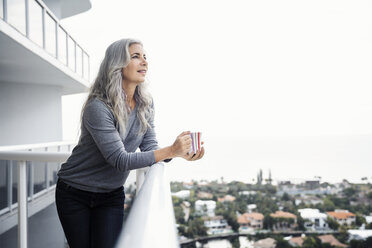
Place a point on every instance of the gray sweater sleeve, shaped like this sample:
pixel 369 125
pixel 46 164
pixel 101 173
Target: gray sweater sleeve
pixel 100 123
pixel 150 142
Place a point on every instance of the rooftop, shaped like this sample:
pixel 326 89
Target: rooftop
pixel 281 214
pixel 341 215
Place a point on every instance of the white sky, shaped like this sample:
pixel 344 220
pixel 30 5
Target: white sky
pixel 284 85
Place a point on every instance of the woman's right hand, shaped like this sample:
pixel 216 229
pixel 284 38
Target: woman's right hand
pixel 181 145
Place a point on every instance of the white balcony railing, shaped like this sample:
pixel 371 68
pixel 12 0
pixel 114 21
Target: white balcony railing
pixel 152 210
pixel 151 222
pixel 35 20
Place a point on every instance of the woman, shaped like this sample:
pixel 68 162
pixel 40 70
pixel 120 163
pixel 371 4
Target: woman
pixel 116 119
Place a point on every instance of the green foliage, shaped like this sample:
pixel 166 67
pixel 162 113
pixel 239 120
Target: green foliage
pixel 286 197
pixel 235 242
pixel 176 201
pixel 361 243
pixel 359 220
pixel 328 204
pixel 179 214
pixel 195 228
pixel 333 224
pixel 191 245
pixel 220 209
pixel 300 223
pixel 350 192
pixel 369 195
pixel 343 235
pixel 312 242
pixel 231 219
pixel 265 205
pixel 177 186
pixel 268 222
pixel 281 243
pixel 369 226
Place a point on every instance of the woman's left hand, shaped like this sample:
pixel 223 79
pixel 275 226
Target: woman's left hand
pixel 195 156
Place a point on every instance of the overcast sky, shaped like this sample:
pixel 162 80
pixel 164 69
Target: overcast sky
pixel 280 85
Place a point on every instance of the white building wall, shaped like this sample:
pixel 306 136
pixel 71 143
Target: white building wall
pixel 29 113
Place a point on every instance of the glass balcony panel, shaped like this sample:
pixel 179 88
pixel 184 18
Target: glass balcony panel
pixel 50 35
pixel 17 14
pixel 64 149
pixel 52 168
pixel 36 22
pixel 79 61
pixel 71 53
pixel 39 176
pixel 3 184
pixel 62 45
pixel 86 66
pixel 14 182
pixel 1 9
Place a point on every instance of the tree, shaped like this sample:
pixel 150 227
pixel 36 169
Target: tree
pixel 359 220
pixel 196 228
pixel 312 242
pixel 268 222
pixel 281 243
pixel 333 224
pixel 328 204
pixel 300 223
pixel 286 197
pixel 179 214
pixel 343 236
pixel 231 219
pixel 349 192
pixel 235 242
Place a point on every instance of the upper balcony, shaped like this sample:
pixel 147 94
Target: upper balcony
pixel 36 49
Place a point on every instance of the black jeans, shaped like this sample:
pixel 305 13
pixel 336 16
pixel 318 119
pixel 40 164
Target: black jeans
pixel 90 220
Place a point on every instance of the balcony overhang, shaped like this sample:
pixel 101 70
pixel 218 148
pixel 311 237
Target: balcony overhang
pixel 66 8
pixel 22 61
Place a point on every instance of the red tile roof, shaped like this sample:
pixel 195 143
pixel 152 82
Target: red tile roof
pixel 331 240
pixel 297 240
pixel 247 217
pixel 281 214
pixel 228 198
pixel 341 215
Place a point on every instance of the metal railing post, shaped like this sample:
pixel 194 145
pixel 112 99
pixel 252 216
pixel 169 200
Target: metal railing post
pixel 27 7
pixel 22 205
pixel 43 16
pixel 5 10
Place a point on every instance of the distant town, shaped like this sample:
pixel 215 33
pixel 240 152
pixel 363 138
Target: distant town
pixel 272 215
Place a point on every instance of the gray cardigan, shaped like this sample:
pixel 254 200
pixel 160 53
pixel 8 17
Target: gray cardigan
pixel 102 159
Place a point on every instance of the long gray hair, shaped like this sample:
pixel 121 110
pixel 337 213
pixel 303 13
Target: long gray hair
pixel 107 87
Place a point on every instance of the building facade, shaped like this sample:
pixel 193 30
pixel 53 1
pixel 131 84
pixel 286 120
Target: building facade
pixel 39 63
pixel 314 220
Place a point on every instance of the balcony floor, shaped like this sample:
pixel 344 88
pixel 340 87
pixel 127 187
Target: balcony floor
pixel 44 231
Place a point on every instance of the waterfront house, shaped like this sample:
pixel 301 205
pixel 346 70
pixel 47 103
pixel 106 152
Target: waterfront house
pixel 325 239
pixel 216 225
pixel 284 221
pixel 250 220
pixel 343 217
pixel 314 220
pixel 205 208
